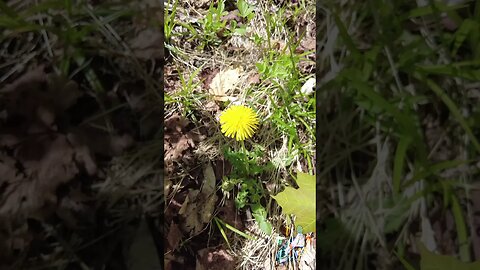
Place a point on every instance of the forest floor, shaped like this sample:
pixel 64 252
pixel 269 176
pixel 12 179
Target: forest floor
pixel 258 54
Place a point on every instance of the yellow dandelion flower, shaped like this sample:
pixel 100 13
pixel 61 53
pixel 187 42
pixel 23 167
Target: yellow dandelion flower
pixel 239 122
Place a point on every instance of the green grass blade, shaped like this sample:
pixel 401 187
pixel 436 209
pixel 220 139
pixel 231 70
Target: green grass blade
pixel 406 123
pixel 453 70
pixel 346 37
pixel 90 74
pixel 453 109
pixel 477 10
pixel 404 262
pixel 444 165
pixel 434 169
pixel 447 193
pixel 364 89
pixel 399 162
pixel 4 8
pixel 219 225
pixel 464 250
pixel 429 10
pixel 235 230
pixel 462 33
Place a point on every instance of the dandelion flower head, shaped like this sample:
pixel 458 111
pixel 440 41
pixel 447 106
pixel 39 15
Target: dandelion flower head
pixel 239 122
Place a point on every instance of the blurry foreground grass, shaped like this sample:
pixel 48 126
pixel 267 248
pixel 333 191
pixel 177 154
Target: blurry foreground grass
pixel 95 187
pixel 399 85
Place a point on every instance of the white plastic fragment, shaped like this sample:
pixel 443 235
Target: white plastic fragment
pixel 308 87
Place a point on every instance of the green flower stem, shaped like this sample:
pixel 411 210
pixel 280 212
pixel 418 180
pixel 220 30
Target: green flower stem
pixel 244 151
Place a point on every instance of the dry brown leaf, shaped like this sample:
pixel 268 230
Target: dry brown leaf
pixel 40 164
pixel 168 261
pixel 175 123
pixel 228 213
pixel 179 142
pixel 208 208
pixel 100 142
pixel 197 211
pixel 211 106
pixel 223 83
pixel 7 170
pixel 75 211
pixel 15 238
pixel 39 98
pixel 148 44
pixel 207 75
pixel 34 195
pixel 308 44
pixel 208 194
pixel 189 212
pixel 209 180
pixel 254 79
pixel 175 153
pixel 199 206
pixel 174 236
pixel 215 258
pixel 66 89
pixel 232 15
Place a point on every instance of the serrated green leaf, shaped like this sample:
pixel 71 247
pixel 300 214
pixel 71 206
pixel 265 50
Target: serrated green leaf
pixel 300 202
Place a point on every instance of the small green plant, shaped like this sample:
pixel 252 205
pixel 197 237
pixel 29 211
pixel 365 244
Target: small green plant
pixel 240 122
pixel 186 96
pixel 169 23
pixel 276 66
pixel 213 26
pixel 245 10
pixel 222 225
pixel 281 68
pixel 247 169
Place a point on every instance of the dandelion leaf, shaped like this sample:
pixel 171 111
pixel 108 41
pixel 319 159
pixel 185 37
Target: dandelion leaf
pixel 300 202
pixel 260 215
pixel 432 261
